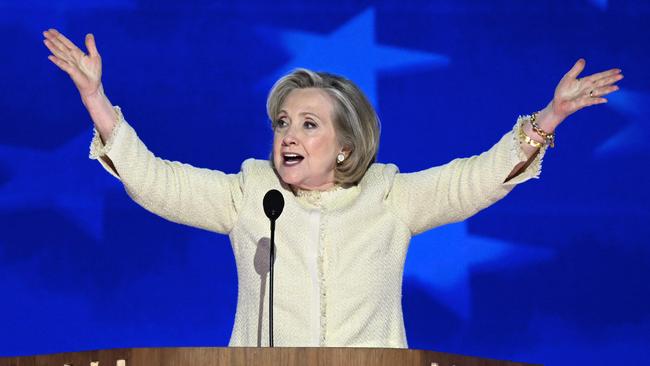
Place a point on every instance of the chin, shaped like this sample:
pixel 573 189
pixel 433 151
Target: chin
pixel 290 179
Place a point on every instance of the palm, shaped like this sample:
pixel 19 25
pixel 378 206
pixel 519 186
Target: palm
pixel 90 72
pixel 573 93
pixel 85 70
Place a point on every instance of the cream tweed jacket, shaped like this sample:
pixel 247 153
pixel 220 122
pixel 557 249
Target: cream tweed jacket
pixel 339 253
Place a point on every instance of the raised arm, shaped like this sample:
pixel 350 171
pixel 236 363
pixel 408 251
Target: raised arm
pixel 179 192
pixel 571 95
pixel 462 187
pixel 203 198
pixel 459 189
pixel 85 70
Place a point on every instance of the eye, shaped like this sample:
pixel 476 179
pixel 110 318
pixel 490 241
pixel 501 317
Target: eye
pixel 280 123
pixel 310 125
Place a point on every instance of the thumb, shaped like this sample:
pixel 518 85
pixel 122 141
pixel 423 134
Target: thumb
pixel 577 68
pixel 90 45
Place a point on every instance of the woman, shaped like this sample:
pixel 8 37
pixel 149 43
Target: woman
pixel 344 233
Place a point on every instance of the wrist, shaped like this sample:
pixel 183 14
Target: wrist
pixel 528 130
pixel 548 118
pixel 531 133
pixel 94 98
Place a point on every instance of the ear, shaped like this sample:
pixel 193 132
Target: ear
pixel 346 150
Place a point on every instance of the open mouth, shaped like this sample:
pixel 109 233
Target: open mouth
pixel 291 158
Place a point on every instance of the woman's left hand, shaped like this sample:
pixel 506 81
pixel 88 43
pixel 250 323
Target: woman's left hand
pixel 573 93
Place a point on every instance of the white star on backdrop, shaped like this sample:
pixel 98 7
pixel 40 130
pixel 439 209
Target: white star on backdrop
pixel 633 137
pixel 353 52
pixel 445 257
pixel 63 179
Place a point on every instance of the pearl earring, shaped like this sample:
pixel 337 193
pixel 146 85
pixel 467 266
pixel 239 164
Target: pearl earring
pixel 340 157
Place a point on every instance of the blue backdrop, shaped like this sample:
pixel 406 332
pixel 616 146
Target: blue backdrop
pixel 556 273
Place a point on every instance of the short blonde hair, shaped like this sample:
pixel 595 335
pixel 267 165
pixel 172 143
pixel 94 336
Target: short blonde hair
pixel 355 120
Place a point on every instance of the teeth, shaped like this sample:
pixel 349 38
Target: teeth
pixel 292 158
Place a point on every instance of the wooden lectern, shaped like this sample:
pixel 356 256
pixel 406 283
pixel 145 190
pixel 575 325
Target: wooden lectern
pixel 289 356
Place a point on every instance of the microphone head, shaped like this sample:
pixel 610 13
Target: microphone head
pixel 273 204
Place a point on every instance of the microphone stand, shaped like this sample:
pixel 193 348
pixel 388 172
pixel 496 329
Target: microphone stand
pixel 272 261
pixel 273 204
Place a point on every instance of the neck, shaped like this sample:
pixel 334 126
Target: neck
pixel 322 188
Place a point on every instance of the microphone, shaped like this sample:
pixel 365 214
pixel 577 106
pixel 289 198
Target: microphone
pixel 273 205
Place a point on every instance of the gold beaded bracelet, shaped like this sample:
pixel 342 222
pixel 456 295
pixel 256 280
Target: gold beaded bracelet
pixel 525 138
pixel 549 137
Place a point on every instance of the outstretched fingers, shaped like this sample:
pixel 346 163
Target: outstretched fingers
pixel 607 78
pixel 63 39
pixel 61 55
pixel 602 83
pixel 57 48
pixel 592 101
pixel 603 75
pixel 61 64
pixel 91 46
pixel 576 69
pixel 586 101
pixel 602 91
pixel 67 50
pixel 573 93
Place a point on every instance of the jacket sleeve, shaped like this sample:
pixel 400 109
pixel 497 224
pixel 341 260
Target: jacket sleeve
pixel 181 193
pixel 462 187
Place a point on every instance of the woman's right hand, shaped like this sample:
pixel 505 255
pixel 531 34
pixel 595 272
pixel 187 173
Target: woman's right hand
pixel 85 70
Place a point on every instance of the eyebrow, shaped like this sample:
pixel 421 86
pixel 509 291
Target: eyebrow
pixel 302 114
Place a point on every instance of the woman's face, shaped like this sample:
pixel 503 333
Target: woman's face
pixel 304 140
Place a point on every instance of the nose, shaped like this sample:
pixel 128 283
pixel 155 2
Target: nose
pixel 289 138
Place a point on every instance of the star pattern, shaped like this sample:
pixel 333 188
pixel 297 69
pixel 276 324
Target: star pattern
pixel 445 257
pixel 633 137
pixel 353 51
pixel 64 180
pixel 590 281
